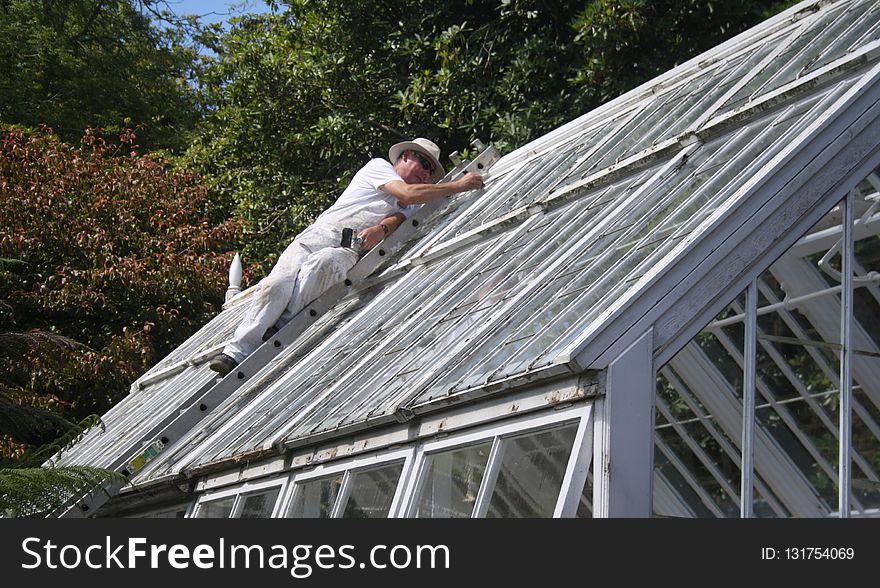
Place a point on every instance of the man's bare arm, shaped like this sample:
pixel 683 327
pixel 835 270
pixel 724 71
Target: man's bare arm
pixel 408 194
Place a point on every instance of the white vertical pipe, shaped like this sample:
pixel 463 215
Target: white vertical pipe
pixel 235 274
pixel 748 417
pixel 846 313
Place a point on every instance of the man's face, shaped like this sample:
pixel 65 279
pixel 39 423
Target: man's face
pixel 411 167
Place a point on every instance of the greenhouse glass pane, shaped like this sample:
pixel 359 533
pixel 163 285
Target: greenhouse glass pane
pixel 866 443
pixel 372 492
pixel 866 343
pixel 684 502
pixel 725 347
pixel 705 448
pixel 672 110
pixel 598 271
pixel 698 497
pixel 585 505
pixel 612 264
pixel 803 48
pixel 259 505
pixel 394 350
pixel 526 187
pixel 864 27
pixel 455 314
pixel 797 404
pixel 682 106
pixel 216 509
pixel 315 499
pixel 629 134
pixel 451 482
pixel 815 456
pixel 530 475
pixel 338 368
pixel 531 256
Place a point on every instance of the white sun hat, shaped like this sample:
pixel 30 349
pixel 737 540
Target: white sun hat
pixel 426 148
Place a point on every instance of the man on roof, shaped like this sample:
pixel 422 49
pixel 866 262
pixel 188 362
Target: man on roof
pixel 380 197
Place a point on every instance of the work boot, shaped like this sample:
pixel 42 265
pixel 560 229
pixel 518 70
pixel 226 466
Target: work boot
pixel 222 364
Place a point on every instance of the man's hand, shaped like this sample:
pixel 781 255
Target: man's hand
pixel 371 236
pixel 469 181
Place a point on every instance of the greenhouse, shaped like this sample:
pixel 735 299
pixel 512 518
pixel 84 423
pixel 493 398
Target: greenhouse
pixel 668 307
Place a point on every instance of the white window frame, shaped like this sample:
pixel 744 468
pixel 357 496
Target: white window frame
pixel 349 468
pixel 241 492
pixel 414 460
pixel 185 507
pixel 498 433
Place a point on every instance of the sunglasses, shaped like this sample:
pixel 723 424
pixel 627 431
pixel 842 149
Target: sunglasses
pixel 426 163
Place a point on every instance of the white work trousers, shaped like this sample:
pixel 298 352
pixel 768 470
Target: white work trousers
pixel 309 266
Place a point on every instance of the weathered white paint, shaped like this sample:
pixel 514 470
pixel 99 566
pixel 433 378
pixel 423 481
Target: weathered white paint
pixel 624 435
pixel 846 319
pixel 561 394
pixel 490 477
pixel 746 506
pixel 578 468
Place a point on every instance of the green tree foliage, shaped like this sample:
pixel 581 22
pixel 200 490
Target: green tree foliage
pixel 117 252
pixel 74 64
pixel 29 484
pixel 24 418
pixel 494 70
pixel 299 102
pixel 305 95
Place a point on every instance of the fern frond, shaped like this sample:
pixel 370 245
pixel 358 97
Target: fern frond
pixel 53 450
pixel 5 261
pixel 28 490
pixel 30 424
pixel 38 492
pixel 13 345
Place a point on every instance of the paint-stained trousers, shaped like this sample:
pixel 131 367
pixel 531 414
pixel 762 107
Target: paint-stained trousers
pixel 309 266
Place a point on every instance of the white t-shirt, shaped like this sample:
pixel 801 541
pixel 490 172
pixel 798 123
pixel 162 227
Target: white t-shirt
pixel 363 204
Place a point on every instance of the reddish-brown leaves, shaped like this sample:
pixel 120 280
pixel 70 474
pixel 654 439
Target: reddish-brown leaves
pixel 119 253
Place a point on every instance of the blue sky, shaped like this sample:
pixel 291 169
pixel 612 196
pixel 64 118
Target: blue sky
pixel 216 10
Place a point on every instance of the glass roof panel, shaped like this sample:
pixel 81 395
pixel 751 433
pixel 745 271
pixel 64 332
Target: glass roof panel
pixel 826 36
pixel 675 111
pixel 489 294
pixel 863 28
pixel 601 271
